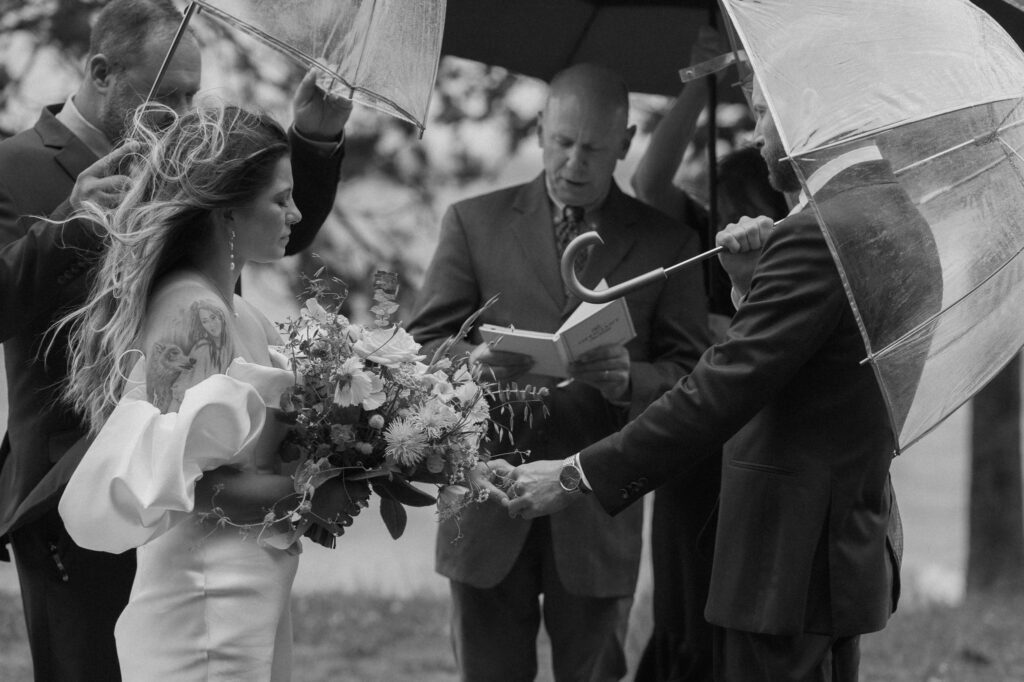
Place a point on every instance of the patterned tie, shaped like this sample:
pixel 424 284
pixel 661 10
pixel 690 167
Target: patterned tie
pixel 567 229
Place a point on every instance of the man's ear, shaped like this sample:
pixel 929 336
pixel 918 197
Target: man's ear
pixel 626 140
pixel 100 72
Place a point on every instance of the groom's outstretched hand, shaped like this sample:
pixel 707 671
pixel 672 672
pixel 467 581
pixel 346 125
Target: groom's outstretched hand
pixel 534 490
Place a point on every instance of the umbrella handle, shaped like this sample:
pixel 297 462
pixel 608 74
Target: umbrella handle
pixel 572 283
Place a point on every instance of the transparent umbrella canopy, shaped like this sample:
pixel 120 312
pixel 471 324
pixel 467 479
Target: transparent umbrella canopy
pixel 380 53
pixel 935 89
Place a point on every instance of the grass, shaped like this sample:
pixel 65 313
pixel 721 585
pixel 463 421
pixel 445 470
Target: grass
pixel 346 637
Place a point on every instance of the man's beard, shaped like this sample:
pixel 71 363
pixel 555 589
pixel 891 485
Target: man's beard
pixel 781 174
pixel 117 110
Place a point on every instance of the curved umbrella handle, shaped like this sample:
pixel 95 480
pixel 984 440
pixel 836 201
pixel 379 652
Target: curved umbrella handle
pixel 623 288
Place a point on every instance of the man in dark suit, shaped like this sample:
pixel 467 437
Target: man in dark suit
pixel 802 564
pixel 583 563
pixel 72 597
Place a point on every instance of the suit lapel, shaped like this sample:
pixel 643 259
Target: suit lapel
pixel 532 226
pixel 616 229
pixel 73 156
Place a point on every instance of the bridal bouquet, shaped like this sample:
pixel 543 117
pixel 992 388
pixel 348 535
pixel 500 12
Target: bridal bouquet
pixel 367 406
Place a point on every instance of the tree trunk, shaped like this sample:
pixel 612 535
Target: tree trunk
pixel 995 558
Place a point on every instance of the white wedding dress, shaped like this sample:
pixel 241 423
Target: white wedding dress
pixel 206 604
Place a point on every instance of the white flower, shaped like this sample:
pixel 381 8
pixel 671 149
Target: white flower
pixel 316 311
pixel 436 416
pixel 388 347
pixel 467 393
pixel 356 386
pixel 406 444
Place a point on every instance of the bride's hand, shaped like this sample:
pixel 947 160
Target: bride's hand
pixel 337 502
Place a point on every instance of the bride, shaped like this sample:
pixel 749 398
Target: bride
pixel 177 438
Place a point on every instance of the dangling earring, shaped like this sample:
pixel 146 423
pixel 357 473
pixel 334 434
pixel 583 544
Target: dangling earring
pixel 231 247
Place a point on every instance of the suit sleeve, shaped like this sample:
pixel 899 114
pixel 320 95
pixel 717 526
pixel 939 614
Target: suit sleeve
pixel 36 265
pixel 795 302
pixel 679 334
pixel 450 291
pixel 316 172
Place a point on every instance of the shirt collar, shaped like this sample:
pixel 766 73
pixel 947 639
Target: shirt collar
pixel 823 175
pixel 589 211
pixel 90 135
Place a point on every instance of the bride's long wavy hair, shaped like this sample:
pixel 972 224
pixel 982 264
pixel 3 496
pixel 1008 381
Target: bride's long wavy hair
pixel 185 167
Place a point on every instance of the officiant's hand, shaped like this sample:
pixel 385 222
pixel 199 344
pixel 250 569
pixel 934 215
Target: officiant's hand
pixel 319 115
pixel 605 368
pixel 496 365
pixel 535 490
pixel 743 241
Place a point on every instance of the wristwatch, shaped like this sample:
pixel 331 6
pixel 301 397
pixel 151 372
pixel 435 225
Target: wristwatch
pixel 570 476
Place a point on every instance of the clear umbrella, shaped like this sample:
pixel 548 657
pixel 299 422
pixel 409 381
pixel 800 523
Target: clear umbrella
pixel 381 53
pixel 935 89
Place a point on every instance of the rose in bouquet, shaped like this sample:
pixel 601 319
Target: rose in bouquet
pixel 367 406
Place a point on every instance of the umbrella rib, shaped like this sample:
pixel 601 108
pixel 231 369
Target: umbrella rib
pixel 583 34
pixel 938 192
pixel 956 147
pixel 303 58
pixel 362 51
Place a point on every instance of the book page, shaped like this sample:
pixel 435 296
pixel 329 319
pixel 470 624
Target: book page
pixel 599 324
pixel 541 346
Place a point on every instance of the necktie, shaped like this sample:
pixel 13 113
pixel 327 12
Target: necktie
pixel 567 229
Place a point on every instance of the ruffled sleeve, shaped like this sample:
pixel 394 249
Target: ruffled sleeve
pixel 137 480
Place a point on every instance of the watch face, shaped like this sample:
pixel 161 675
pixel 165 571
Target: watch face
pixel 569 478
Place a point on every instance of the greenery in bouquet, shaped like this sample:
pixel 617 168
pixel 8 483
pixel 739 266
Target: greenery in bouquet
pixel 367 408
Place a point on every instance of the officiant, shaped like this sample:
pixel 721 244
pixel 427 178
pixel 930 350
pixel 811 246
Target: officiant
pixel 508 243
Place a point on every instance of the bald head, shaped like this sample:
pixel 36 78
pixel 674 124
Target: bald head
pixel 600 87
pixel 583 133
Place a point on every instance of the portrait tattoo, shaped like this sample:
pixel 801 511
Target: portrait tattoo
pixel 192 346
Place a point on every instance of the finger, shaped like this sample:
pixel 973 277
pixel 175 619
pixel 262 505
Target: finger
pixel 727 239
pixel 518 507
pixel 108 164
pixel 307 87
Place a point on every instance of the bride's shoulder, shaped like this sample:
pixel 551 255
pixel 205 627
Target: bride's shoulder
pixel 179 306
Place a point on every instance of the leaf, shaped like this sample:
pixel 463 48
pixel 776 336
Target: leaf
pixel 402 491
pixel 463 333
pixel 394 516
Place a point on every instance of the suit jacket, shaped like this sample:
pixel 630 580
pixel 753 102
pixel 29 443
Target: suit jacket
pixel 38 168
pixel 805 502
pixel 503 243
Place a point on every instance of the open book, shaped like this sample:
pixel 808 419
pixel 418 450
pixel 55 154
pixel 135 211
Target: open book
pixel 590 325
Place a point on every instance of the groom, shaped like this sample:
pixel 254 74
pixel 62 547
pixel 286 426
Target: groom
pixel 803 565
pixel 72 597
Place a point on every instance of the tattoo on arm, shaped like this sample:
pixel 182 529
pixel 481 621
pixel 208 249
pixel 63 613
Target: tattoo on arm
pixel 188 347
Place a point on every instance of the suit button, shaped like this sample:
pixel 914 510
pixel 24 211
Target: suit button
pixel 642 483
pixel 624 493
